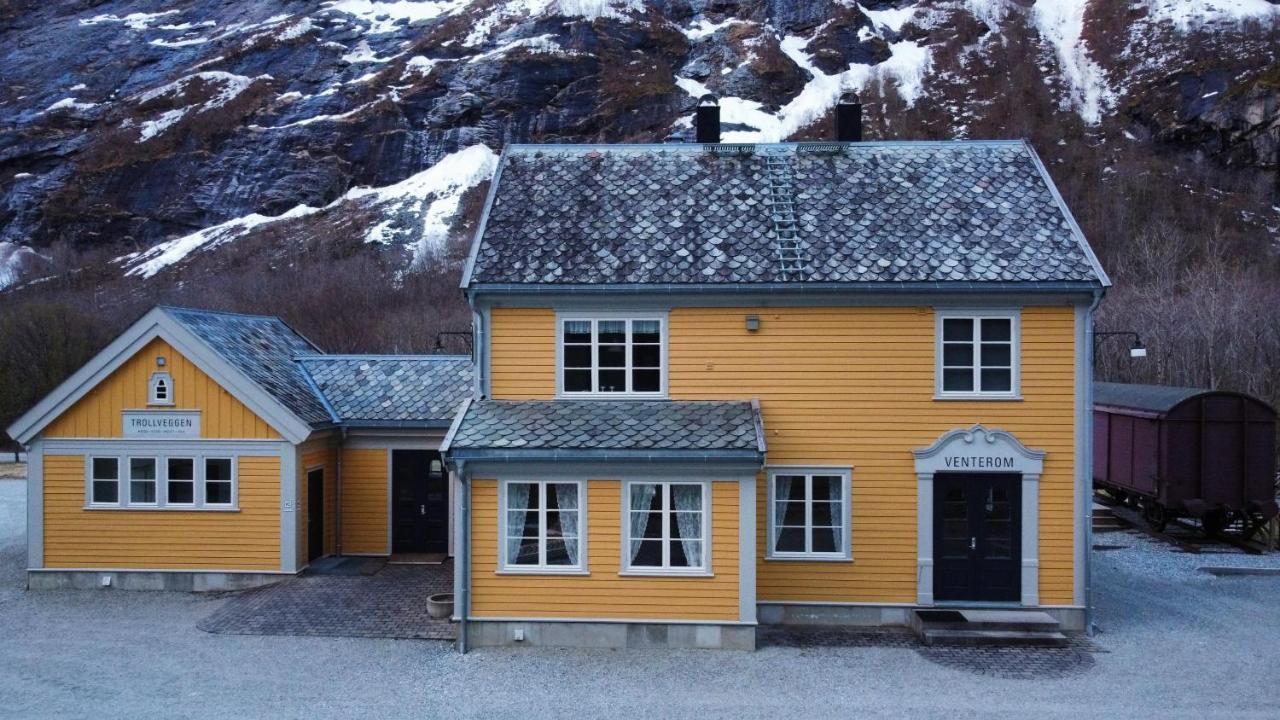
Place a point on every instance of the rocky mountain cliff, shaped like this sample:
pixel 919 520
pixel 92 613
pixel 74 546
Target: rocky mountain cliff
pixel 156 142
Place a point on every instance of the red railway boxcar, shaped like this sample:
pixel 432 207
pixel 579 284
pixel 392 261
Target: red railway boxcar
pixel 1184 452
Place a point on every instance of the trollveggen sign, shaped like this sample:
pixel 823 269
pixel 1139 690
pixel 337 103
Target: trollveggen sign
pixel 161 424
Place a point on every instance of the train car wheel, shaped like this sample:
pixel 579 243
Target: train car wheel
pixel 1215 521
pixel 1156 515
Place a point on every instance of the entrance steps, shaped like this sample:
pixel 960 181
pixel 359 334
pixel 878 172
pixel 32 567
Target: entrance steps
pixel 1106 521
pixel 961 627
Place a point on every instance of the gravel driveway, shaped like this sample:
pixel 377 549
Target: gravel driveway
pixel 1176 643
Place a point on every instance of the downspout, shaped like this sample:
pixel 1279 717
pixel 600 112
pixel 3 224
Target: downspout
pixel 1088 469
pixel 462 556
pixel 337 485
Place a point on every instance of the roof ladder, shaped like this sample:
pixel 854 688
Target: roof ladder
pixel 790 249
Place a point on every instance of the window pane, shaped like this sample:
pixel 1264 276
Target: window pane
pixel 957 329
pixel 997 329
pixel 565 495
pixel 824 539
pixel 217 493
pixel 106 491
pixel 106 469
pixel 646 381
pixel 182 469
pixel 612 356
pixel 646 525
pixel 522 523
pixel 827 487
pixel 522 551
pixel 645 496
pixel 577 381
pixel 788 487
pixel 957 355
pixel 686 553
pixel 686 497
pixel 613 381
pixel 790 540
pixel 577 331
pixel 181 492
pixel 217 469
pixel 649 554
pixel 790 513
pixel 826 513
pixel 577 356
pixel 142 491
pixel 645 331
pixel 612 331
pixel 142 468
pixel 522 495
pixel 997 380
pixel 996 355
pixel 554 525
pixel 557 552
pixel 957 380
pixel 686 525
pixel 644 356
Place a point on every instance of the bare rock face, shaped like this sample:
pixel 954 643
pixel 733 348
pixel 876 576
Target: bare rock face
pixel 744 60
pixel 847 39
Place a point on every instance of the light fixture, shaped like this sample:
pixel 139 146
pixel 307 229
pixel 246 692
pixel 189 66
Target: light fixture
pixel 1137 350
pixel 753 323
pixel 160 361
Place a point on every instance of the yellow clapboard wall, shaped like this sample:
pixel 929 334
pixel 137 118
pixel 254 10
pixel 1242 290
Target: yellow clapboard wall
pixel 248 539
pixel 604 593
pixel 364 501
pixel 847 386
pixel 98 413
pixel 316 454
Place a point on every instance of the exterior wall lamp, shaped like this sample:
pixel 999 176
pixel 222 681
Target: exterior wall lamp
pixel 753 323
pixel 1136 349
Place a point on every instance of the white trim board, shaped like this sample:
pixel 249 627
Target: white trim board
pixel 159 324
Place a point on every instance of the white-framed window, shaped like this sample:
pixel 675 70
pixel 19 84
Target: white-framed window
pixel 809 513
pixel 104 481
pixel 219 481
pixel 142 480
pixel 543 527
pixel 977 354
pixel 612 356
pixel 667 527
pixel 179 482
pixel 160 389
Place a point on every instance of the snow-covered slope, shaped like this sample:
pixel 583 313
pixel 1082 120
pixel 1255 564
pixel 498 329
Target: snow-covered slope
pixel 178 131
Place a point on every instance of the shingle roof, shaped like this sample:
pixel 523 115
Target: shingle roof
pixel 868 212
pixel 264 348
pixel 608 425
pixel 392 388
pixel 1152 398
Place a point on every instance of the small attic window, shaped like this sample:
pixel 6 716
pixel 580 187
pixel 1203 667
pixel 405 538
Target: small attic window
pixel 160 391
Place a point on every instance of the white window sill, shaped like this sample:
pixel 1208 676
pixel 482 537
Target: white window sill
pixel 611 396
pixel 167 508
pixel 542 571
pixel 658 572
pixel 800 557
pixel 984 397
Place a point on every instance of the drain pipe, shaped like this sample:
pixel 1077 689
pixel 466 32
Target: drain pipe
pixel 462 557
pixel 1088 468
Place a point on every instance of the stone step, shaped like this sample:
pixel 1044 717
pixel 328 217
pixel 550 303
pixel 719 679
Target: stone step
pixel 979 638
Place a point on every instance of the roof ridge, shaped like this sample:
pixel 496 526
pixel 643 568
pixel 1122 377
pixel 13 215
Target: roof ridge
pixel 315 388
pixel 379 356
pixel 527 148
pixel 231 313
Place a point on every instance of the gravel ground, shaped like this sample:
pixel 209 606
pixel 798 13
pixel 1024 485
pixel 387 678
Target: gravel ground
pixel 1175 642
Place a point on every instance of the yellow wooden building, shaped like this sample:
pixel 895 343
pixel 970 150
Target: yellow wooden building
pixel 723 385
pixel 207 450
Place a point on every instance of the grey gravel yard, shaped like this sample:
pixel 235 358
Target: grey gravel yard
pixel 1175 643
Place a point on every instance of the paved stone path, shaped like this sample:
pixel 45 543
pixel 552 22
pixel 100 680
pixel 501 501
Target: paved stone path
pixel 391 603
pixel 1017 663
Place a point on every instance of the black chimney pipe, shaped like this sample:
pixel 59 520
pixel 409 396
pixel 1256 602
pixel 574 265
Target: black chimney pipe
pixel 849 118
pixel 707 120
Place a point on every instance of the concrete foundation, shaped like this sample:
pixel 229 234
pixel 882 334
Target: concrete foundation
pixel 1071 619
pixel 148 580
pixel 492 633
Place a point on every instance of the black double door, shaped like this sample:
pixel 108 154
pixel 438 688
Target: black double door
pixel 420 502
pixel 977 537
pixel 315 514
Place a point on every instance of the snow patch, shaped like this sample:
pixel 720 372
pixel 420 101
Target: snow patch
pixel 705 28
pixel 990 12
pixel 184 42
pixel 70 104
pixel 133 21
pixel 1186 14
pixel 542 44
pixel 1061 23
pixel 425 204
pixel 297 30
pixel 231 86
pixel 385 17
pixel 14 259
pixel 893 18
pixel 419 65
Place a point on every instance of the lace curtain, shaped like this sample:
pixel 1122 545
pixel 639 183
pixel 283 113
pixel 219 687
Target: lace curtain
pixel 686 500
pixel 641 501
pixel 838 515
pixel 517 502
pixel 566 495
pixel 783 493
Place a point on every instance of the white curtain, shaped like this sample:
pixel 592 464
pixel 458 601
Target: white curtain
pixel 835 489
pixel 517 502
pixel 641 501
pixel 567 501
pixel 687 501
pixel 782 494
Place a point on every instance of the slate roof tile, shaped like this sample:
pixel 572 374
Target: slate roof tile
pixel 608 425
pixel 390 388
pixel 872 212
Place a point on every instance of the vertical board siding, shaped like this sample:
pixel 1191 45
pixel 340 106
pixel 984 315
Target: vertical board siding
pixel 364 501
pixel 848 386
pixel 320 453
pixel 98 413
pixel 604 593
pixel 162 539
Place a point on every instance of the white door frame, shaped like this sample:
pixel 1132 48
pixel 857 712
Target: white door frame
pixel 978 450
